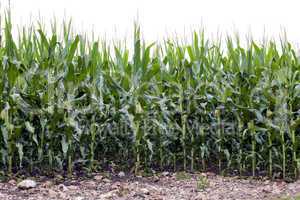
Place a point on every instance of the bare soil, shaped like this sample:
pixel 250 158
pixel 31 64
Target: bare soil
pixel 165 186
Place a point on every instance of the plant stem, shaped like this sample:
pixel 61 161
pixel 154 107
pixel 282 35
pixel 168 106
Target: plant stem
pixel 253 146
pixel 240 136
pixel 183 118
pixel 137 147
pixel 283 153
pixel 270 155
pixel 220 137
pixel 202 153
pixel 192 152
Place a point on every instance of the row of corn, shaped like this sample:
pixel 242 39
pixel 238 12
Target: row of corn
pixel 69 103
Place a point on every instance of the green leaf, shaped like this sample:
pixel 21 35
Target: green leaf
pixel 72 49
pixel 29 127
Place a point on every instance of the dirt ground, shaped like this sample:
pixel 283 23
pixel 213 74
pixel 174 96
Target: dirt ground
pixel 165 186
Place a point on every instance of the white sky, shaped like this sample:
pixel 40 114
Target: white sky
pixel 159 17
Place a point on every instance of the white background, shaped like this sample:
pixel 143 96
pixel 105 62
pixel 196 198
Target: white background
pixel 158 18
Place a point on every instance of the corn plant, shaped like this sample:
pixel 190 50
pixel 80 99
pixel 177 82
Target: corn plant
pixel 68 103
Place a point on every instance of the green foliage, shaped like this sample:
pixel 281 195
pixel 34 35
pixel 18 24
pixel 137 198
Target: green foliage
pixel 66 103
pixel 182 176
pixel 202 182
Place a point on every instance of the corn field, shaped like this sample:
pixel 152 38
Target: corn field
pixel 69 103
